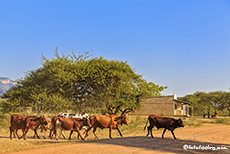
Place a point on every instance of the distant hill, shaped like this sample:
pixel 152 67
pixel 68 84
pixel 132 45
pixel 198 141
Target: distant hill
pixel 5 84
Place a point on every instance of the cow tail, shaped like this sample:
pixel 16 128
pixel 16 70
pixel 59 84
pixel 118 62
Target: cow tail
pixel 146 123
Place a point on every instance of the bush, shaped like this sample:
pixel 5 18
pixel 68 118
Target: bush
pixel 4 120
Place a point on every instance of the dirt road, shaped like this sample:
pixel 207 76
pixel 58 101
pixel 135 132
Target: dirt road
pixel 214 136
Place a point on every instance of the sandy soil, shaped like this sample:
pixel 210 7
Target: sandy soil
pixel 214 136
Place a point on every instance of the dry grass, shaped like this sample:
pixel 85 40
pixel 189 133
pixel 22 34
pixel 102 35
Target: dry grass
pixel 135 128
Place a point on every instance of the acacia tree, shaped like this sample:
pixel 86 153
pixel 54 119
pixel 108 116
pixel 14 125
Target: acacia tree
pixel 82 83
pixel 212 101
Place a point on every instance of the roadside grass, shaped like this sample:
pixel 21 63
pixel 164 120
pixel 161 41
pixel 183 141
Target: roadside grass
pixel 192 122
pixel 18 145
pixel 225 121
pixel 198 121
pixel 135 128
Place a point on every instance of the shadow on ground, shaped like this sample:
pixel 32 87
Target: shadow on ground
pixel 155 144
pixel 163 145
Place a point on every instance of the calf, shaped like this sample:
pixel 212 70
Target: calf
pixel 34 123
pixel 73 124
pixel 162 122
pixel 45 127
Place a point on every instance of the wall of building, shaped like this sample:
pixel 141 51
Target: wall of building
pixel 162 106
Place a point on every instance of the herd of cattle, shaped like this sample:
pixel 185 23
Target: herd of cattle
pixel 77 122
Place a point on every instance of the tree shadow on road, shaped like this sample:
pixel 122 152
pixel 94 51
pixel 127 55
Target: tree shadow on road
pixel 163 145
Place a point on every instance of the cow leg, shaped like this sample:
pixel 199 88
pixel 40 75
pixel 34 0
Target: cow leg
pixel 23 135
pixel 83 133
pixel 17 134
pixel 119 131
pixel 173 134
pixel 150 128
pixel 51 131
pixel 25 132
pixel 55 133
pixel 163 133
pixel 35 132
pixel 63 134
pixel 79 134
pixel 34 135
pixel 86 132
pixel 110 132
pixel 94 132
pixel 11 131
pixel 71 132
pixel 43 134
pixel 14 134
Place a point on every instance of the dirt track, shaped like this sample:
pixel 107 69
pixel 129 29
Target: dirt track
pixel 214 136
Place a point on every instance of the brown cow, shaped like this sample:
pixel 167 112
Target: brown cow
pixel 73 124
pixel 44 127
pixel 107 121
pixel 34 123
pixel 163 122
pixel 18 122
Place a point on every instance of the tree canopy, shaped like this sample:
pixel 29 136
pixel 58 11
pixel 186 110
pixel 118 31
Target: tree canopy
pixel 211 101
pixel 81 83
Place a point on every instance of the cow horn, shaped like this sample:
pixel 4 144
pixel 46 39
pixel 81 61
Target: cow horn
pixel 126 111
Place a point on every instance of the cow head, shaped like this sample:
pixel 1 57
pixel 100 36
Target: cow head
pixel 43 120
pixel 180 123
pixel 125 119
pixel 122 119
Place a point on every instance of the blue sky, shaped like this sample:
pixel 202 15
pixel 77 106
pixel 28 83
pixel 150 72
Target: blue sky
pixel 184 45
